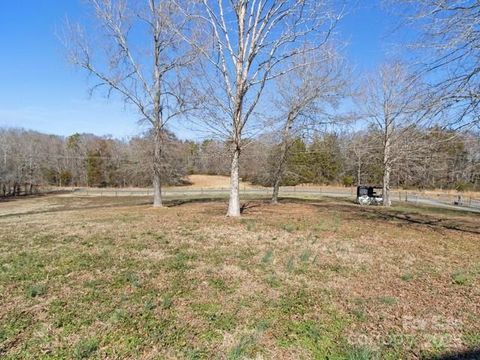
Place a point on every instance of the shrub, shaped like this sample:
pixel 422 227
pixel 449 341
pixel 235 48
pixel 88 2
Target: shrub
pixel 348 180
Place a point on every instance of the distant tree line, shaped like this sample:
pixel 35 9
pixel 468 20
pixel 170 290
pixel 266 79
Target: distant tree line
pixel 442 159
pixel 30 159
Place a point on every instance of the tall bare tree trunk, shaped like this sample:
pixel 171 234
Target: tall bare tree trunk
pixel 359 173
pixel 234 201
pixel 276 187
pixel 387 165
pixel 157 109
pixel 157 165
pixel 386 186
pixel 283 157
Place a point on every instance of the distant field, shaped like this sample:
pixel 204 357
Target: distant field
pixel 114 278
pixel 212 181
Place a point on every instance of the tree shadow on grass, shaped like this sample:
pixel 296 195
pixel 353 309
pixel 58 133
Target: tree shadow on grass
pixel 439 220
pixel 457 225
pixel 249 205
pixel 246 201
pixel 431 217
pixel 473 354
pixel 181 202
pixel 67 207
pixel 116 202
pixel 421 216
pixel 33 196
pixel 244 206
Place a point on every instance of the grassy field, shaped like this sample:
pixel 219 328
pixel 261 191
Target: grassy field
pixel 325 279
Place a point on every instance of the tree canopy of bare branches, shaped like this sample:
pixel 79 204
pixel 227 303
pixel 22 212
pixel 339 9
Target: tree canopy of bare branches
pixel 449 54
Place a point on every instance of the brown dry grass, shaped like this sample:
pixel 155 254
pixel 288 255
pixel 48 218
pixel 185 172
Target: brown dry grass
pixel 115 278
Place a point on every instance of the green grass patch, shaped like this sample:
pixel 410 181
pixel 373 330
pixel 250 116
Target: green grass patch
pixel 290 228
pixel 387 300
pixel 267 258
pixel 362 353
pixel 407 277
pixel 85 349
pixel 460 278
pixel 216 316
pixel 35 290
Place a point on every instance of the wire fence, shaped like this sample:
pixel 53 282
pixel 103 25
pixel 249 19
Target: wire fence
pixel 465 201
pixel 286 190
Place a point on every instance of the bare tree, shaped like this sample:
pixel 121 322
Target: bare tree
pixel 136 51
pixel 252 43
pixel 391 101
pixel 305 98
pixel 359 149
pixel 449 52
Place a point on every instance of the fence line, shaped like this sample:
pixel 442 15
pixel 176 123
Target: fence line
pixel 413 197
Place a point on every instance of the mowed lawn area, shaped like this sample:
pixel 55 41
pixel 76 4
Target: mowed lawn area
pixel 113 278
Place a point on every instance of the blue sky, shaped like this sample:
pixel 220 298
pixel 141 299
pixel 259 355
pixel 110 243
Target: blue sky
pixel 39 90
